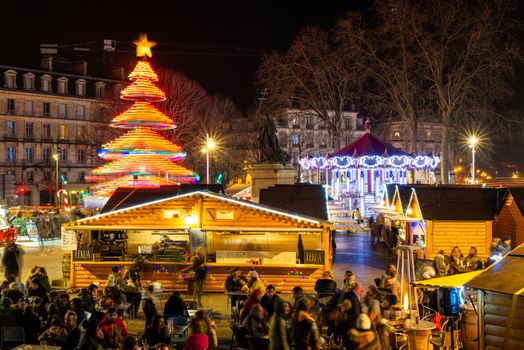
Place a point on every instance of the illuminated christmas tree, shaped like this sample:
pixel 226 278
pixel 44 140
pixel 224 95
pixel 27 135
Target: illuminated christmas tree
pixel 142 157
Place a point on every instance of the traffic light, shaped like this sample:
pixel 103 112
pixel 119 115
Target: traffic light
pixel 21 190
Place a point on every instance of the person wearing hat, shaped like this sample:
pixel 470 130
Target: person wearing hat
pixel 255 283
pixel 326 286
pixel 362 337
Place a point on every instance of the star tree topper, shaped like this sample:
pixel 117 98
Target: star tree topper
pixel 143 46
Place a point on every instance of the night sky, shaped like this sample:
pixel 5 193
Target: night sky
pixel 217 43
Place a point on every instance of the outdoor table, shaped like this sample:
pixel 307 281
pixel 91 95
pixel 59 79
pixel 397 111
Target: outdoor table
pixel 192 313
pixel 178 334
pixel 418 334
pixel 239 296
pixel 36 347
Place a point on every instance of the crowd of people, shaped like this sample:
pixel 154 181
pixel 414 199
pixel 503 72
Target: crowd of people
pixel 354 318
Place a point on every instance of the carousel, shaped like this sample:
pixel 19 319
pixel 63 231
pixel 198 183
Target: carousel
pixel 356 175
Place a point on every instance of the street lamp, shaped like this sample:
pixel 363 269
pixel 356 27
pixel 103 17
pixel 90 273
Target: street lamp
pixel 210 144
pixel 472 141
pixel 55 157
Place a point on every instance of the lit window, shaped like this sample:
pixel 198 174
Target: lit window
pixel 63 132
pixel 81 132
pixel 10 154
pixel 397 135
pixel 29 154
pixel 295 138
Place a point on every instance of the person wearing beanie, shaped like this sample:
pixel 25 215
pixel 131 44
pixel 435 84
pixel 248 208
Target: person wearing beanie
pixel 362 337
pixel 255 283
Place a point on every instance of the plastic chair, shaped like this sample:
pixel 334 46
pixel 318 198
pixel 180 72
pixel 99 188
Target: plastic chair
pixel 11 337
pixel 257 343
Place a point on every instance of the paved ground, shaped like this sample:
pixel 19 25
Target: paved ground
pixel 353 253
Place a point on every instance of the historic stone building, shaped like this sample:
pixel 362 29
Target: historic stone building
pixel 49 120
pixel 302 133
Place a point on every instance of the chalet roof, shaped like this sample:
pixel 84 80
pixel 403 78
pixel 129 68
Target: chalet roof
pixel 390 191
pixel 504 276
pixel 143 210
pixel 305 199
pixel 458 202
pixel 518 196
pixel 404 193
pixel 368 145
pixel 125 197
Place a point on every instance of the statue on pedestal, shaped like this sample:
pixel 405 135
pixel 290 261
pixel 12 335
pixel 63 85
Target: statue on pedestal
pixel 269 148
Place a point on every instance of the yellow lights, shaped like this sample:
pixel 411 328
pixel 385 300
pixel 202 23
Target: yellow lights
pixel 141 140
pixel 143 46
pixel 143 114
pixel 143 164
pixel 409 211
pixel 55 157
pixel 143 89
pixel 190 219
pixel 472 141
pixel 210 144
pixel 515 176
pixel 143 70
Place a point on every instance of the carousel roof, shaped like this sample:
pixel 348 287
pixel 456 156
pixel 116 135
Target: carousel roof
pixel 368 145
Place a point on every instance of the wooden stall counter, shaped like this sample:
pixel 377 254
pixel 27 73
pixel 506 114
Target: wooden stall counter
pixel 284 277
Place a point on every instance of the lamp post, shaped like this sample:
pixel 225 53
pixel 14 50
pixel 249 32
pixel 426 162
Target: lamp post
pixel 55 157
pixel 210 144
pixel 472 143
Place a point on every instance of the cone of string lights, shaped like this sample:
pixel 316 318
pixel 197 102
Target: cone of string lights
pixel 142 157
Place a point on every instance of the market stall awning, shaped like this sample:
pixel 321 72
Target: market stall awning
pixel 453 281
pixel 504 276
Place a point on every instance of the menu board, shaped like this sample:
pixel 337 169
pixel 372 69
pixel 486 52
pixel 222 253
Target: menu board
pixel 69 239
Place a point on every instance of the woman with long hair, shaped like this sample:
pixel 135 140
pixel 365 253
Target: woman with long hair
pixel 198 339
pixel 211 328
pixel 281 326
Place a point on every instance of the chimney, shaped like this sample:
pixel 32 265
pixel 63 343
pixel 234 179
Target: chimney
pixel 80 67
pixel 46 63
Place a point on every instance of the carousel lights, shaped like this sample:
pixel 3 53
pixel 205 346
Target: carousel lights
pixel 346 162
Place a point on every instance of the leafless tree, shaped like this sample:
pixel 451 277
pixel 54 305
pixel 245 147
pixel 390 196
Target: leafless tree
pixel 313 75
pixel 469 50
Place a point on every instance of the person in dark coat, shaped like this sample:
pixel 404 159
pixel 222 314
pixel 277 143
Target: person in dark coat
pixel 90 339
pixel 157 333
pixel 306 335
pixel 253 299
pixel 11 261
pixel 31 324
pixel 355 310
pixel 269 300
pixel 175 305
pixel 37 290
pixel 147 306
pixel 326 286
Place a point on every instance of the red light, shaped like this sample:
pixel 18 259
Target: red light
pixel 21 189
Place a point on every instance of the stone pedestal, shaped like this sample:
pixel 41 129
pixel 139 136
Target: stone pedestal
pixel 270 174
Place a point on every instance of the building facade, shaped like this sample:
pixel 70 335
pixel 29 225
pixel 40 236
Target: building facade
pixel 303 134
pixel 50 121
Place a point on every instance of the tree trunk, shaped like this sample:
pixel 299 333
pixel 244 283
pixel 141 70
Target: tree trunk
pixel 444 153
pixel 335 136
pixel 413 131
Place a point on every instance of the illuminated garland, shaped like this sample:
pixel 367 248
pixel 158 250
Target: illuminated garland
pixel 143 70
pixel 105 189
pixel 142 89
pixel 370 162
pixel 141 141
pixel 143 114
